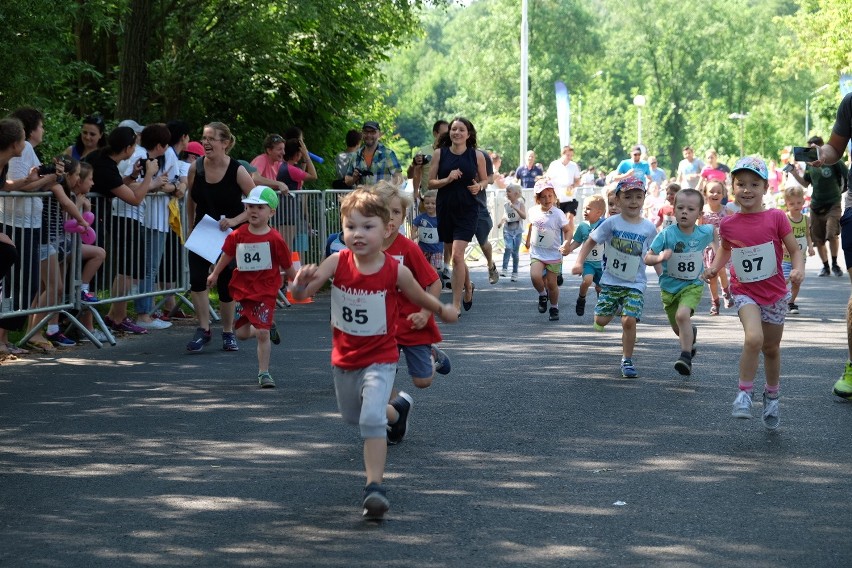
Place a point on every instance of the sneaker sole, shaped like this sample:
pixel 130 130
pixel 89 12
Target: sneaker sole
pixel 772 426
pixel 842 394
pixel 682 368
pixel 742 414
pixel 375 507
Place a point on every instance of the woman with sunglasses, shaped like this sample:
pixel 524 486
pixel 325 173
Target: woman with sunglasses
pixel 216 185
pixel 91 138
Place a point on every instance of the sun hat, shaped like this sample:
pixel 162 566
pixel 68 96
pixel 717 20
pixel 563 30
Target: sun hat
pixel 262 195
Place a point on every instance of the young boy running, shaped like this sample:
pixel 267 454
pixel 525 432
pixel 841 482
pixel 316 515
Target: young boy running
pixel 593 212
pixel 794 202
pixel 628 237
pixel 364 305
pixel 680 248
pixel 261 254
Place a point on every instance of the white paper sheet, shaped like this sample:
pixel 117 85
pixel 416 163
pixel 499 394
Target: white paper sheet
pixel 206 239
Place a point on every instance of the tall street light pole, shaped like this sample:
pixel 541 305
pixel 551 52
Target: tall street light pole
pixel 808 109
pixel 524 80
pixel 639 101
pixel 741 118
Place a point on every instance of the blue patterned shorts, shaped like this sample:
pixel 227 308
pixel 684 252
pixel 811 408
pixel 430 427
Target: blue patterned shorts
pixel 620 301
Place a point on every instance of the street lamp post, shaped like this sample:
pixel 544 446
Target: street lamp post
pixel 740 117
pixel 808 108
pixel 639 101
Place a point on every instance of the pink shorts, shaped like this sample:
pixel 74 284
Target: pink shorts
pixel 773 313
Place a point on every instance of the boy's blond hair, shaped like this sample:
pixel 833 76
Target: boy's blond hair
pixel 431 193
pixel 596 200
pixel 514 187
pixel 387 191
pixel 794 191
pixel 367 203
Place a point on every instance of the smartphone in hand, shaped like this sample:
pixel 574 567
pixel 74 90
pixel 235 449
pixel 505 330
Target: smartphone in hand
pixel 801 154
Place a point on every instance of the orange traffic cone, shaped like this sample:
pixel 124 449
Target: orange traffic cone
pixel 297 264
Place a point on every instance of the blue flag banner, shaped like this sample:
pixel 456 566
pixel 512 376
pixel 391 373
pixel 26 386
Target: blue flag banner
pixel 563 113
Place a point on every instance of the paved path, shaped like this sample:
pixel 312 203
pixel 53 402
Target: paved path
pixel 532 452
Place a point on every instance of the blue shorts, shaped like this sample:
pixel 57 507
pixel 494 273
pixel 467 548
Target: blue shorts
pixel 594 268
pixel 419 360
pixel 620 301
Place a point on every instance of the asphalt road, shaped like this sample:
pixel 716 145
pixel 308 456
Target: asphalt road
pixel 532 452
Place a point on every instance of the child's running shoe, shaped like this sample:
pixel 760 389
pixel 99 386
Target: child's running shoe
pixel 514 277
pixel 442 362
pixel 792 308
pixel 554 314
pixel 843 387
pixel 694 340
pixel 742 405
pixel 770 417
pixel 376 503
pixel 729 300
pixel 714 307
pixel 274 336
pixel 229 341
pixel 265 381
pixel 580 308
pixel 542 304
pixel 199 340
pixel 628 371
pixel 683 365
pixel 559 280
pixel 402 404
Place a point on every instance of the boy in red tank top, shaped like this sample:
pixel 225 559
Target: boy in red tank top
pixel 364 307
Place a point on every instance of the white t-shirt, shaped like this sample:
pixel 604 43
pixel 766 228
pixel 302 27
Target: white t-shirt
pixel 546 235
pixel 157 206
pixel 125 168
pixel 22 212
pixel 563 177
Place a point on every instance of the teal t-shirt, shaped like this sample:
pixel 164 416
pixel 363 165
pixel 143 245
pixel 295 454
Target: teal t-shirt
pixel 687 262
pixel 581 234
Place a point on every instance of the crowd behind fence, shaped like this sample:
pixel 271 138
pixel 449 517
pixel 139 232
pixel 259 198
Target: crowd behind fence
pixel 136 254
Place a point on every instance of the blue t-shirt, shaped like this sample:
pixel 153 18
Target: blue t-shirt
pixel 581 234
pixel 626 245
pixel 690 264
pixel 640 169
pixel 426 228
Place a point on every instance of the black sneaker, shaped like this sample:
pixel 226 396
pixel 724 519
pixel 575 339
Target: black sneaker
pixel 792 308
pixel 274 336
pixel 229 341
pixel 376 503
pixel 836 270
pixel 559 280
pixel 199 340
pixel 683 365
pixel 554 314
pixel 581 305
pixel 824 272
pixel 396 431
pixel 542 304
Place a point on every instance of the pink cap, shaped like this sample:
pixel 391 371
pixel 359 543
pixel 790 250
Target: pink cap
pixel 195 148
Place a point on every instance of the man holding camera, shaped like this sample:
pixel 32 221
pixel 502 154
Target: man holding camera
pixel 373 162
pixel 828 183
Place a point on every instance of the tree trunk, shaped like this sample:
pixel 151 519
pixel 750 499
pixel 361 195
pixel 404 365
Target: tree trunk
pixel 133 74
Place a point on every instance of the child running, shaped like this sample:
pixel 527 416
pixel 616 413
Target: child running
pixel 714 211
pixel 752 239
pixel 416 331
pixel 794 202
pixel 426 225
pixel 261 254
pixel 593 213
pixel 679 248
pixel 552 231
pixel 627 237
pixel 364 306
pixel 512 222
pixel 666 215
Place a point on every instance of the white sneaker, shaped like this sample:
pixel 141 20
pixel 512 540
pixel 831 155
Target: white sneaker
pixel 771 420
pixel 514 277
pixel 154 324
pixel 742 405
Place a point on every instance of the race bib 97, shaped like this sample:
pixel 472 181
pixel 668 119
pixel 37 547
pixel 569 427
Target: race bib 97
pixel 753 264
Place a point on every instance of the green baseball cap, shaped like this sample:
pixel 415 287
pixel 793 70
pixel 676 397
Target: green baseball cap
pixel 262 195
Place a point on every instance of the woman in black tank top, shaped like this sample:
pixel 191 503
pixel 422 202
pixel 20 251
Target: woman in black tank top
pixel 216 185
pixel 458 173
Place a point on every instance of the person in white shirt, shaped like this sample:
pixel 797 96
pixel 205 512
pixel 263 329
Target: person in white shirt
pixel 564 174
